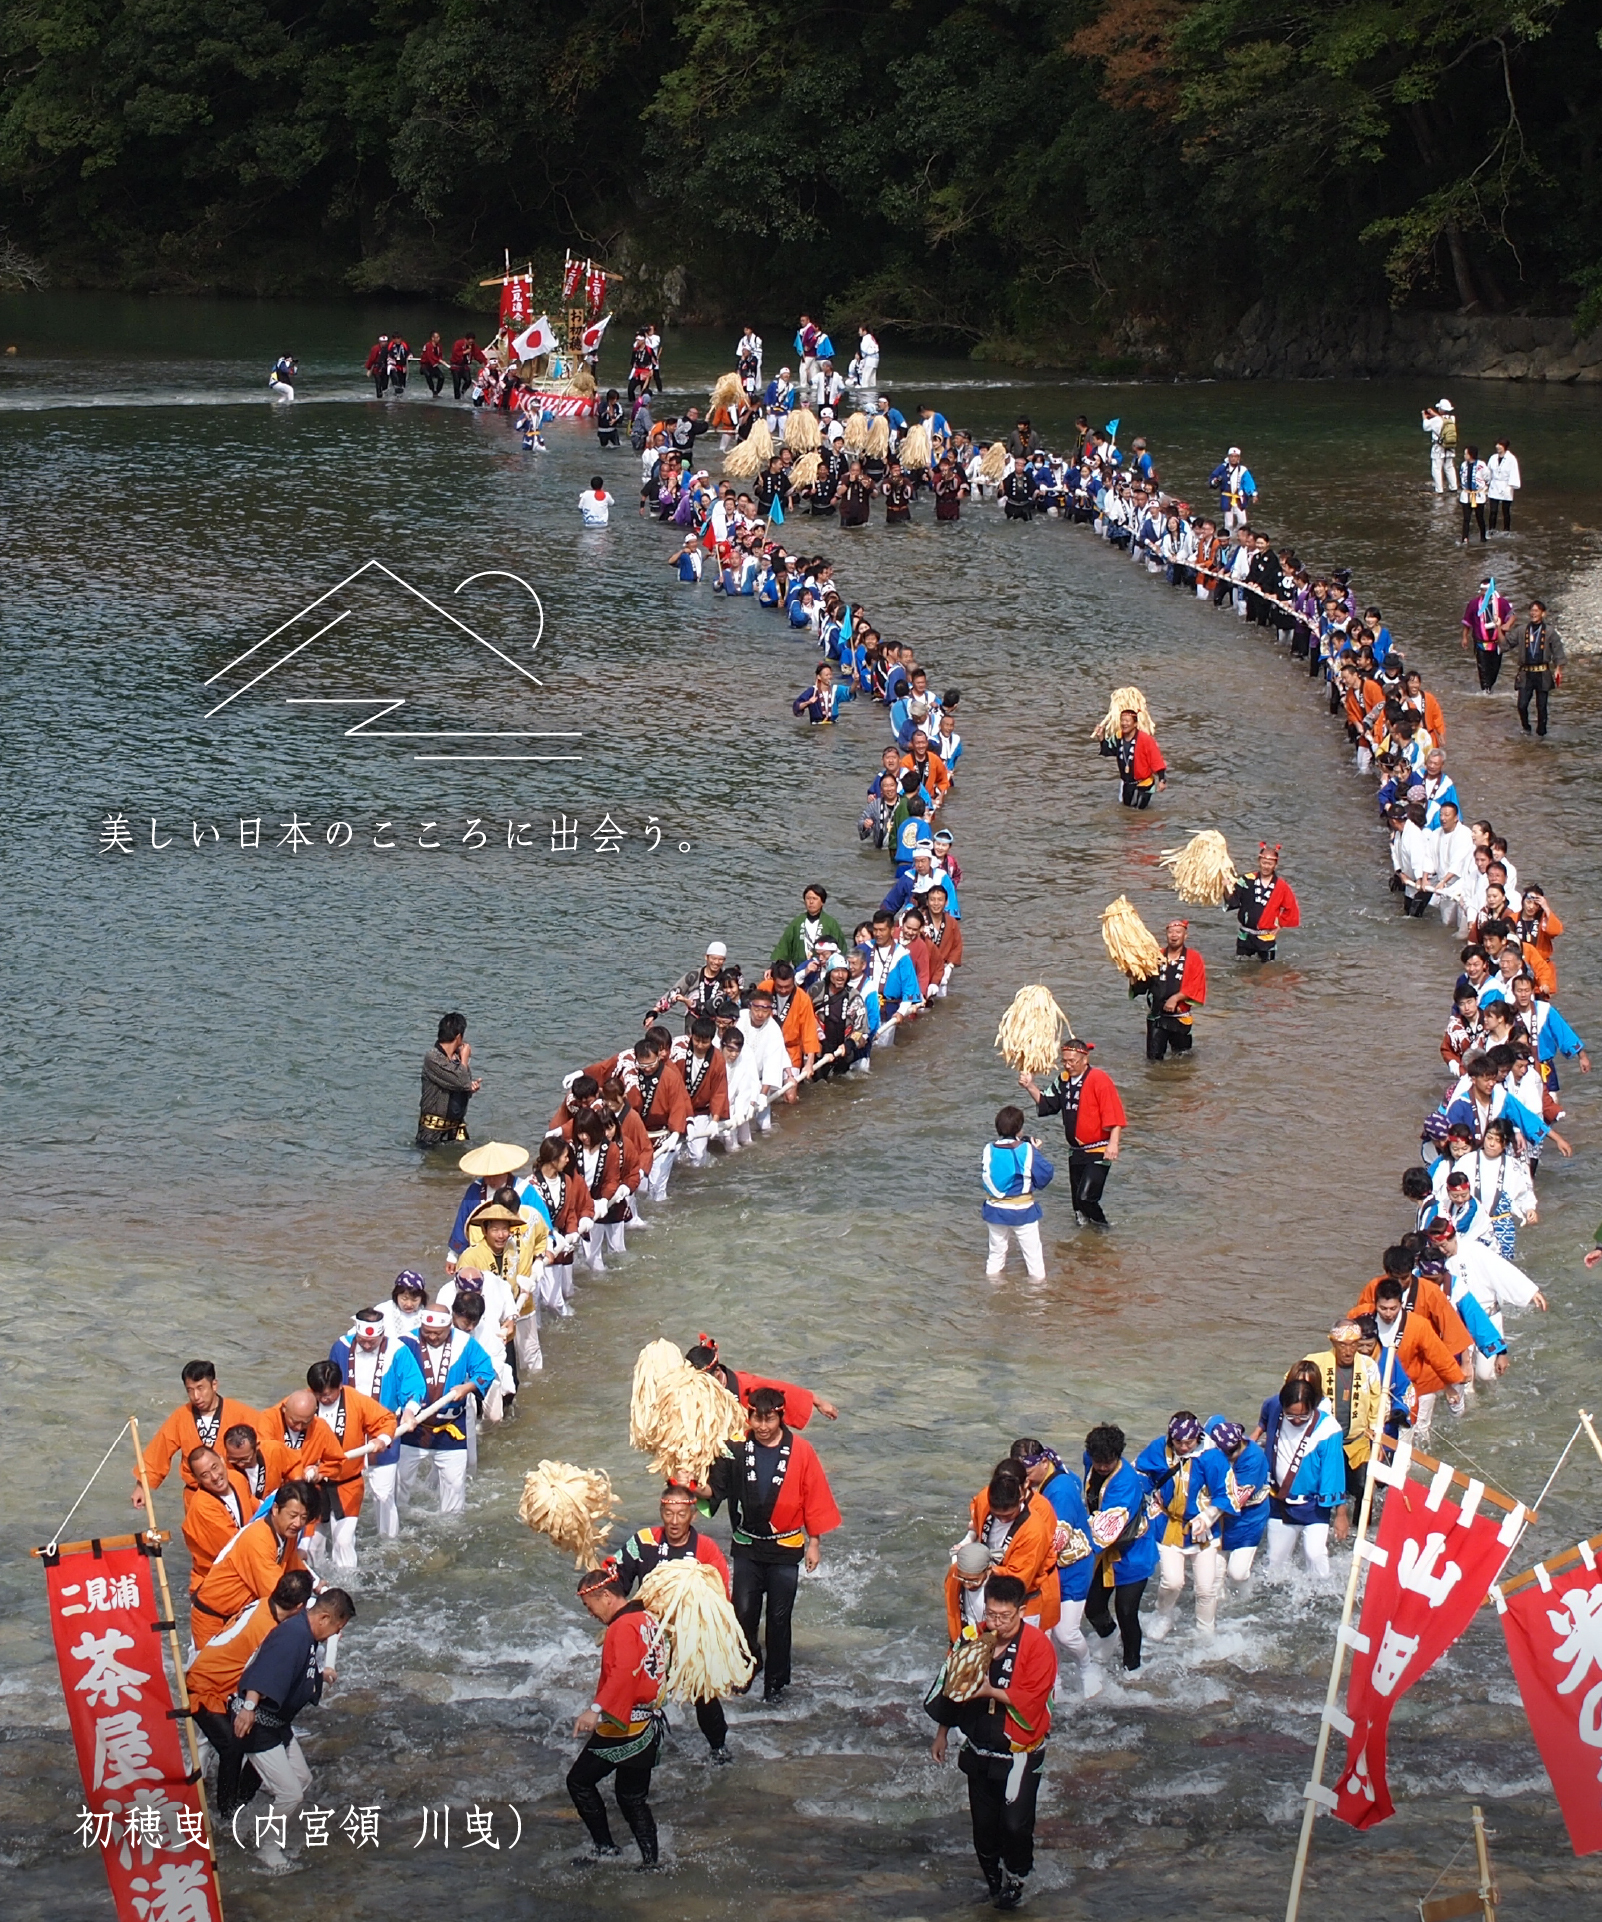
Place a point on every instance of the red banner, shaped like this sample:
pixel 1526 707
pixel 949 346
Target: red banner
pixel 1554 1637
pixel 1430 1569
pixel 596 291
pixel 572 274
pixel 139 1808
pixel 517 301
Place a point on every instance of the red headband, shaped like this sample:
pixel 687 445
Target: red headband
pixel 707 1341
pixel 1264 848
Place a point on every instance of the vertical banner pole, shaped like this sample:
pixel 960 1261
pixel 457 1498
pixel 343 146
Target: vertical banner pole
pixel 1315 1791
pixel 181 1691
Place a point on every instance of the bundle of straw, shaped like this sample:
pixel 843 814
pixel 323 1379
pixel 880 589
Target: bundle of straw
pixel 742 461
pixel 966 1666
pixel 657 1363
pixel 707 1655
pixel 1031 1031
pixel 574 1507
pixel 1202 870
pixel 1124 698
pixel 760 441
pixel 915 449
pixel 693 1417
pixel 801 434
pixel 856 433
pixel 994 463
pixel 582 381
pixel 804 473
pixel 1129 942
pixel 877 445
pixel 727 391
pixel 679 1416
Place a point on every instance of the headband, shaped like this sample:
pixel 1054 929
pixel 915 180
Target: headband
pixel 1183 1429
pixel 1346 1331
pixel 1264 848
pixel 601 1577
pixel 707 1341
pixel 1045 1455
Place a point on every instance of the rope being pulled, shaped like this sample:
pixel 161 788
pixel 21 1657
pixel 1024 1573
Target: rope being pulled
pixel 55 1539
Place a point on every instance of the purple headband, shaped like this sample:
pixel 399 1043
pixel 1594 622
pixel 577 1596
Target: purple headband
pixel 1184 1430
pixel 411 1282
pixel 1229 1435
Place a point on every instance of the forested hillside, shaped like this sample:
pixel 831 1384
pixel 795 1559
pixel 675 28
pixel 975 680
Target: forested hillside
pixel 1016 169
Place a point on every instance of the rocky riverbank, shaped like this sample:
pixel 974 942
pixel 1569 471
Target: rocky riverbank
pixel 1268 344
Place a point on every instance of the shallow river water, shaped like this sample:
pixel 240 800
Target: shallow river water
pixel 214 1081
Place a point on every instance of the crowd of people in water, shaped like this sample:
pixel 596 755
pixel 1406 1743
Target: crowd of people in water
pixel 1055 1541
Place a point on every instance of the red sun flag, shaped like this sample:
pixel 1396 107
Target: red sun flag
pixel 1554 1637
pixel 1429 1570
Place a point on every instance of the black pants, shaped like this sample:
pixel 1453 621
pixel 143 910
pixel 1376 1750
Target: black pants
pixel 754 1582
pixel 1487 664
pixel 435 376
pixel 633 1786
pixel 1165 1031
pixel 381 381
pixel 1250 946
pixel 1087 1176
pixel 237 1780
pixel 1473 513
pixel 852 1055
pixel 1507 515
pixel 397 379
pixel 1133 795
pixel 1102 1602
pixel 1003 1831
pixel 1540 692
pixel 607 436
pixel 461 381
pixel 713 1723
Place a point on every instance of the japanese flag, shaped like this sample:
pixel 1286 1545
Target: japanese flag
pixel 534 341
pixel 590 339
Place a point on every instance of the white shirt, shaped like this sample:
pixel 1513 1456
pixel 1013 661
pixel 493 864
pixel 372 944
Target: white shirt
pixel 745 1085
pixel 868 345
pixel 595 507
pixel 1454 857
pixel 765 1049
pixel 1504 472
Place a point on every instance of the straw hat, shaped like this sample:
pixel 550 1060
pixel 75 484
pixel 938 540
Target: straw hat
pixel 494 1158
pixel 491 1212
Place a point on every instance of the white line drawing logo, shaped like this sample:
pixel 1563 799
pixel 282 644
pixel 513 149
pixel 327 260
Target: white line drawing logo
pixel 384 705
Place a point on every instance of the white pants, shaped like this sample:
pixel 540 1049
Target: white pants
pixel 1208 1564
pixel 1238 1565
pixel 381 1486
pixel 450 1464
pixel 342 1530
pixel 1484 1366
pixel 698 1140
pixel 656 1182
pixel 1440 465
pixel 868 371
pixel 526 1340
pixel 280 389
pixel 1028 1237
pixel 1314 1537
pixel 285 1777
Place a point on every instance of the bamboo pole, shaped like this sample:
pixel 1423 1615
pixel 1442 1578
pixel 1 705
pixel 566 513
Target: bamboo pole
pixel 104 1541
pixel 1315 1792
pixel 152 1536
pixel 1487 1886
pixel 1460 1480
pixel 1585 1423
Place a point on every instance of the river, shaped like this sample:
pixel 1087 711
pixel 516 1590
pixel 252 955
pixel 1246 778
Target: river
pixel 214 1081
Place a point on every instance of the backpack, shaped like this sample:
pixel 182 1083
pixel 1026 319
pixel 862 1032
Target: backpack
pixel 1449 431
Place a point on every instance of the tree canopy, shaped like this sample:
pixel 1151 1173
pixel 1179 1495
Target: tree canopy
pixel 967 168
